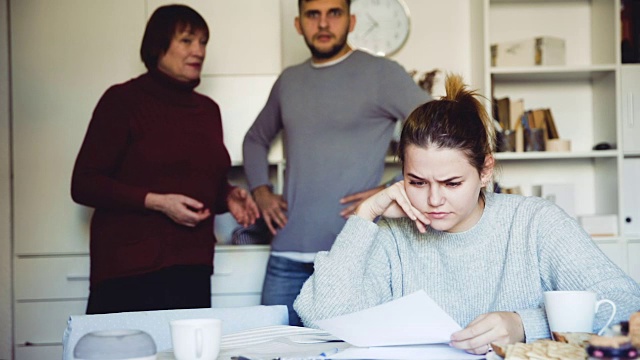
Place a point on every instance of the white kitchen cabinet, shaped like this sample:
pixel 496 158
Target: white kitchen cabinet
pixel 631 199
pixel 633 258
pixel 630 99
pixel 51 288
pixel 38 352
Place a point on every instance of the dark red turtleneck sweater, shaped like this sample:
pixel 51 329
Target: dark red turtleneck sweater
pixel 150 134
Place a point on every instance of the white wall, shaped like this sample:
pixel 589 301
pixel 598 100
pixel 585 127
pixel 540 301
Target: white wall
pixel 439 38
pixel 6 318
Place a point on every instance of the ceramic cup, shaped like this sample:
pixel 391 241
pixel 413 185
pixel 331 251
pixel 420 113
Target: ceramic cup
pixel 574 311
pixel 196 339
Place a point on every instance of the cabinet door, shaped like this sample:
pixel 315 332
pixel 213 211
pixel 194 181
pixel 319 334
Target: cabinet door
pixel 239 270
pixel 630 108
pixel 43 323
pixel 634 259
pixel 631 196
pixel 59 278
pixel 38 352
pixel 65 54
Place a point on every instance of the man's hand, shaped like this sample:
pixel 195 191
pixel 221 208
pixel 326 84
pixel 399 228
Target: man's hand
pixel 501 327
pixel 242 207
pixel 272 207
pixel 356 199
pixel 179 208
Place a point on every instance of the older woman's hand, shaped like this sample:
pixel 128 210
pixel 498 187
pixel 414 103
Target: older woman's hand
pixel 500 327
pixel 181 209
pixel 242 207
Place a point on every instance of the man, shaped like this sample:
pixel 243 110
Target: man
pixel 338 111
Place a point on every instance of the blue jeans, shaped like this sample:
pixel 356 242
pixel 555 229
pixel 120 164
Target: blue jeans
pixel 282 284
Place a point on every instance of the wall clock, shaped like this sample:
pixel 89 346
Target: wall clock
pixel 382 26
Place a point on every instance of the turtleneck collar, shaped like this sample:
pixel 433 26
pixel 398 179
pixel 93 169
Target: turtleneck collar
pixel 169 89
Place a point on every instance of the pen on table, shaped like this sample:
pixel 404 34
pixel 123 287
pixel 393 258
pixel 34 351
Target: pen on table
pixel 329 352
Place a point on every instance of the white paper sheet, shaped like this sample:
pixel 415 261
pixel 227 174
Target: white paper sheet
pixel 409 352
pixel 410 320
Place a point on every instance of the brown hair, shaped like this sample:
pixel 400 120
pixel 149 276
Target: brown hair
pixel 163 24
pixel 455 121
pixel 301 1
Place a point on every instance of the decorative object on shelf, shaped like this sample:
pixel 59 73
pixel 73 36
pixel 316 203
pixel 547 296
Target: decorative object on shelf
pixel 543 50
pixel 600 225
pixel 382 26
pixel 602 146
pixel 558 145
pixel 427 80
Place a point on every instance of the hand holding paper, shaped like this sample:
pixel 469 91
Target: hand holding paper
pixel 411 320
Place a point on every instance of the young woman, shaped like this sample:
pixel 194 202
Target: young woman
pixel 485 258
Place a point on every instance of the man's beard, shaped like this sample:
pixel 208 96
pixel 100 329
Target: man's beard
pixel 327 54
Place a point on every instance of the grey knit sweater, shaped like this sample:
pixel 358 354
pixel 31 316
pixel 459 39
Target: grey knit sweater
pixel 337 122
pixel 521 247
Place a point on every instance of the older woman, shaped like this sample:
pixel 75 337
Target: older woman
pixel 154 167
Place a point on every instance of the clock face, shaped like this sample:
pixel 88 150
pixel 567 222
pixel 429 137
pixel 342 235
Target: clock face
pixel 382 26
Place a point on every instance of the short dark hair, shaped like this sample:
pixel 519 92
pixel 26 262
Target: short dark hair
pixel 301 1
pixel 163 24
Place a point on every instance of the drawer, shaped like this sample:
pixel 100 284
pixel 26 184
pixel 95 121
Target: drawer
pixel 220 301
pixel 239 270
pixel 38 352
pixel 41 278
pixel 43 323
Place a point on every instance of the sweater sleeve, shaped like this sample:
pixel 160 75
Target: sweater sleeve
pixel 100 156
pixel 354 275
pixel 257 141
pixel 570 260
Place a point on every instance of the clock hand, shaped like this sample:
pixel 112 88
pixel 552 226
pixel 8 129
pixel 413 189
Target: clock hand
pixel 375 23
pixel 370 29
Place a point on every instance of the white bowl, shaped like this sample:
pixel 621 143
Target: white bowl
pixel 115 345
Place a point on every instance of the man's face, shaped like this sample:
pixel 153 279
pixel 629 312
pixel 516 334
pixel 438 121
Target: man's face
pixel 325 25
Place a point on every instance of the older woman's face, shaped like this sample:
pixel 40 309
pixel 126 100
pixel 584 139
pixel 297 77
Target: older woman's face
pixel 185 56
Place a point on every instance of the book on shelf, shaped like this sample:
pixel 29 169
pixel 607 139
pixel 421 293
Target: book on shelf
pixel 508 112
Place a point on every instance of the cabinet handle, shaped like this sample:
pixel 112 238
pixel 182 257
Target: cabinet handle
pixel 630 113
pixel 77 277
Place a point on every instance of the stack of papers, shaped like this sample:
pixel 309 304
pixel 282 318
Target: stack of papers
pixel 412 327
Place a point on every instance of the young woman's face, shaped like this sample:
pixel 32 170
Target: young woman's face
pixel 444 186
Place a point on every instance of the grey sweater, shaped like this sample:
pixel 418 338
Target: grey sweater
pixel 338 121
pixel 521 247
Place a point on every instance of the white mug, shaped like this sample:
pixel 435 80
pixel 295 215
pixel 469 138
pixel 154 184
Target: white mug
pixel 196 339
pixel 574 311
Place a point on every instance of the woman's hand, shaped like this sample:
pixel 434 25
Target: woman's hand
pixel 500 327
pixel 179 208
pixel 392 202
pixel 242 207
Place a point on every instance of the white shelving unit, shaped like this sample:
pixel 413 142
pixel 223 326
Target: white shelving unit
pixel 592 99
